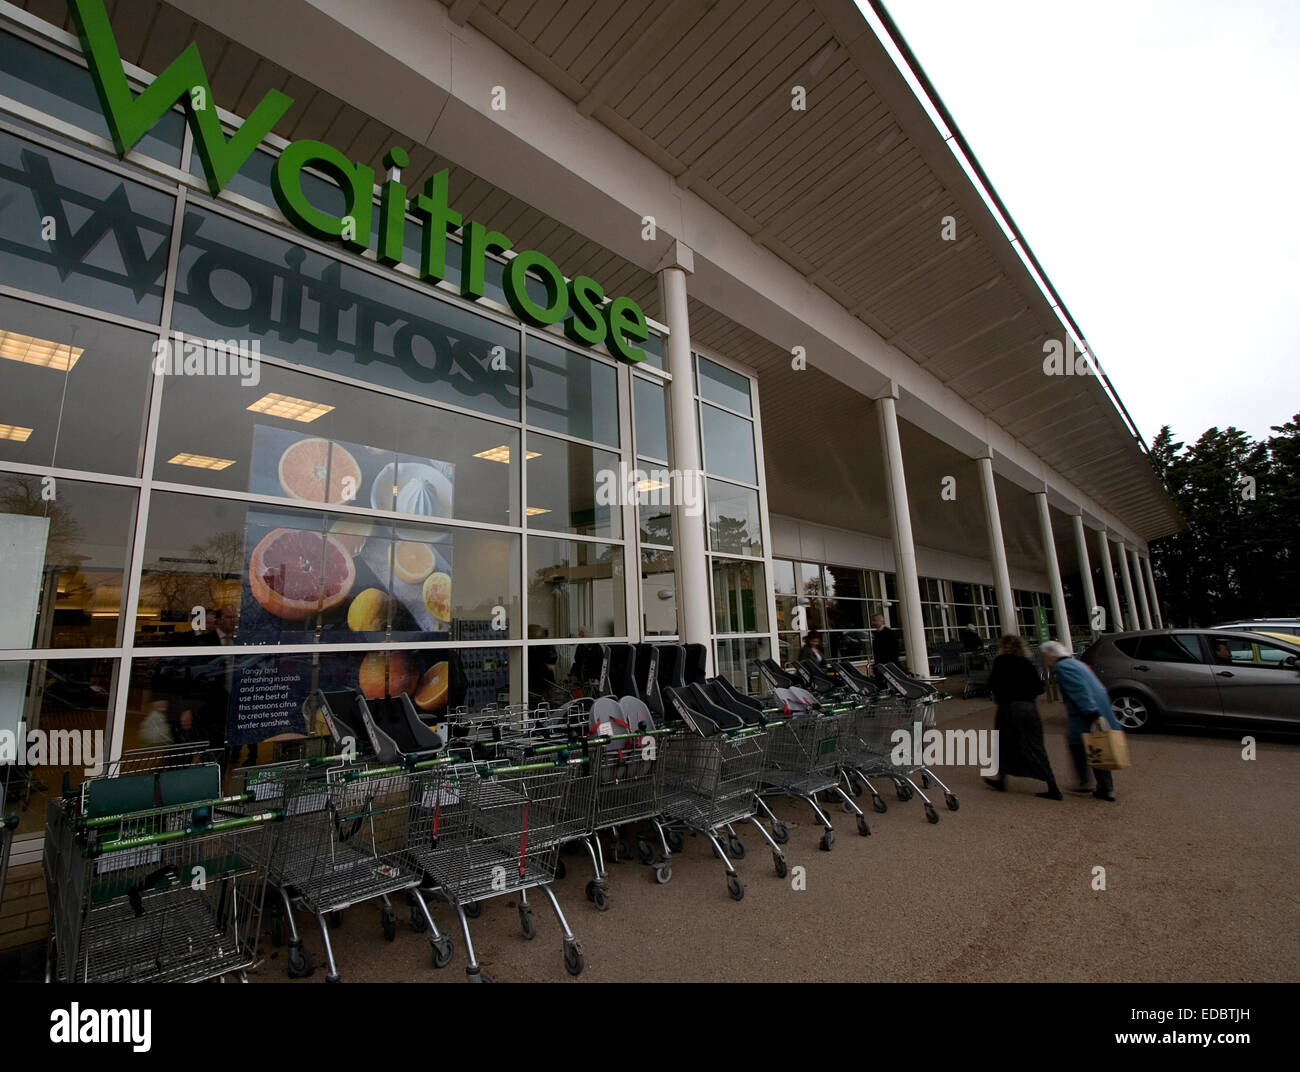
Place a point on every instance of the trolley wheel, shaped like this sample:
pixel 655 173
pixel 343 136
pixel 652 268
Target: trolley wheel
pixel 477 975
pixel 931 814
pixel 621 850
pixel 905 790
pixel 598 895
pixel 827 842
pixel 277 924
pixel 674 839
pixel 926 780
pixel 644 850
pixel 879 804
pixel 780 832
pixel 389 922
pixel 736 847
pixel 441 947
pixel 951 800
pixel 573 960
pixel 526 925
pixel 856 787
pixel 863 829
pixel 560 869
pixel 473 910
pixel 663 873
pixel 333 979
pixel 336 920
pixel 778 861
pixel 300 964
pixel 735 887
pixel 418 923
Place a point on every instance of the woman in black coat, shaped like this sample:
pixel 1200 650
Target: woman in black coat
pixel 1016 686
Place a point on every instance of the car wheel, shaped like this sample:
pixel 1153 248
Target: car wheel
pixel 1135 712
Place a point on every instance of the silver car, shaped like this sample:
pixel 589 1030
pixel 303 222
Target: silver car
pixel 1199 677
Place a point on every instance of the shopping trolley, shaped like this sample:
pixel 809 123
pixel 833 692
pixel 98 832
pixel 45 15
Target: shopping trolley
pixel 484 829
pixel 802 757
pixel 342 841
pixel 164 893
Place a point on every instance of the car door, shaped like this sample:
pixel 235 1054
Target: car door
pixel 1174 667
pixel 1259 681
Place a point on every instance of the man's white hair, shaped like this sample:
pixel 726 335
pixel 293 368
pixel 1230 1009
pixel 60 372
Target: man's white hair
pixel 1054 649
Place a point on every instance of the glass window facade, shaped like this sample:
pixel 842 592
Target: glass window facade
pixel 313 473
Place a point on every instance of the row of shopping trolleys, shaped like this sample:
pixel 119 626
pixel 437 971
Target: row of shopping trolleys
pixel 155 874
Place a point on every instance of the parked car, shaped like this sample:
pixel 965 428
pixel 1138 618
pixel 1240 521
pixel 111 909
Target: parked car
pixel 1287 629
pixel 1199 677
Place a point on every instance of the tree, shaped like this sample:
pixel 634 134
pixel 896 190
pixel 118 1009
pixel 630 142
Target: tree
pixel 1237 556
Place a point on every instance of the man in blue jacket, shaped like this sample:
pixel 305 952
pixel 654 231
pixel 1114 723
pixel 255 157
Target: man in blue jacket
pixel 1086 700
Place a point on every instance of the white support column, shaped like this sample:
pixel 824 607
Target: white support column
pixel 1143 606
pixel 1108 574
pixel 1129 598
pixel 1053 568
pixel 997 547
pixel 900 517
pixel 684 454
pixel 1085 567
pixel 1155 599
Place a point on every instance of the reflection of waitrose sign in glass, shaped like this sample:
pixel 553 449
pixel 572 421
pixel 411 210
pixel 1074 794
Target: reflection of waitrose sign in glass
pixel 579 303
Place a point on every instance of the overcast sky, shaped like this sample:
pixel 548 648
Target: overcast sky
pixel 1147 150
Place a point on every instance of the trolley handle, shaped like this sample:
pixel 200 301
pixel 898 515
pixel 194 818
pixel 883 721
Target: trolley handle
pixel 194 805
pixel 218 827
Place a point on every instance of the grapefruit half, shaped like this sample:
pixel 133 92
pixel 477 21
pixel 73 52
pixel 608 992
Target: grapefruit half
pixel 293 573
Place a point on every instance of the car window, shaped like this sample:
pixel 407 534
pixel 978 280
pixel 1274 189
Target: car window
pixel 1128 646
pixel 1269 655
pixel 1170 648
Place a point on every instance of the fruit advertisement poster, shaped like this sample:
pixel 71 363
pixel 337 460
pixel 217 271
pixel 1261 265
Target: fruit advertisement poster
pixel 339 578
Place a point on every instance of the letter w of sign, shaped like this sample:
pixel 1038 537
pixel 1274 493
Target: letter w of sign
pixel 130 118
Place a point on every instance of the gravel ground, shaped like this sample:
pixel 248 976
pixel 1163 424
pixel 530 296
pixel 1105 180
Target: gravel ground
pixel 1200 856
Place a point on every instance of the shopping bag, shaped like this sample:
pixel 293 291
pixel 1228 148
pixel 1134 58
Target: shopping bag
pixel 1107 749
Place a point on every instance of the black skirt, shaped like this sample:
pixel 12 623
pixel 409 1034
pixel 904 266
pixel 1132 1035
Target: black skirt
pixel 1021 753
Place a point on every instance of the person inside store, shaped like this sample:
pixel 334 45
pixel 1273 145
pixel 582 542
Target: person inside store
pixel 971 641
pixel 884 646
pixel 812 648
pixel 542 662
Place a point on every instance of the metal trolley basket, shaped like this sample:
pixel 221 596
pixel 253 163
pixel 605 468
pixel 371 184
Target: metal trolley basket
pixel 171 893
pixel 871 750
pixel 342 841
pixel 485 829
pixel 803 758
pixel 708 784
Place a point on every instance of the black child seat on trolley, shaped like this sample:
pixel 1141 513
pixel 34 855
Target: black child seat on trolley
pixel 342 713
pixel 774 675
pixel 398 720
pixel 641 661
pixel 654 698
pixel 724 694
pixel 672 666
pixel 695 665
pixel 700 713
pixel 856 680
pixel 816 679
pixel 909 688
pixel 621 677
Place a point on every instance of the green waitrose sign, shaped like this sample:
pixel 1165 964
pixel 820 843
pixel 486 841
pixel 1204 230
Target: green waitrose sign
pixel 579 303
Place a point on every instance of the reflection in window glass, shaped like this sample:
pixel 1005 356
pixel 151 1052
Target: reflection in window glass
pixel 239 282
pixel 69 698
pixel 651 418
pixel 739 597
pixel 737 661
pixel 733 519
pixel 61 88
pixel 571 393
pixel 728 445
pixel 845 582
pixel 563 481
pixel 723 386
pixel 313 440
pixel 654 351
pixel 110 244
pixel 59 374
pixel 267 575
pixel 783 577
pixel 658 593
pixel 63 561
pixel 575 589
pixel 809 576
pixel 655 521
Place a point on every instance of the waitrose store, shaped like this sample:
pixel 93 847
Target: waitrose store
pixel 380 377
